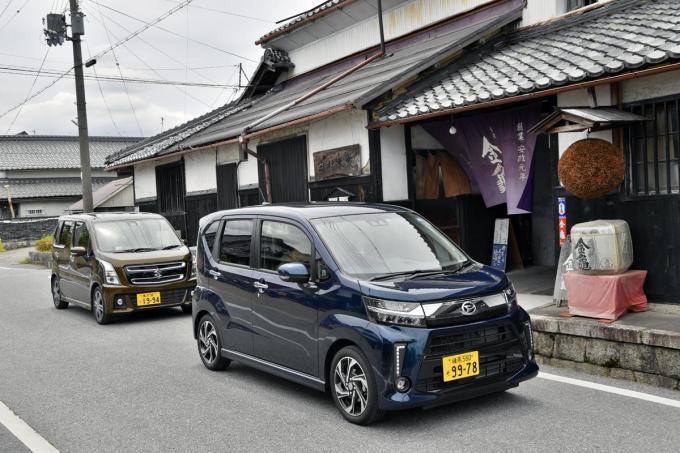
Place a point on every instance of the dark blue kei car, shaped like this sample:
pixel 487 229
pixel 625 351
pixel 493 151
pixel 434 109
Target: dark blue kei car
pixel 370 302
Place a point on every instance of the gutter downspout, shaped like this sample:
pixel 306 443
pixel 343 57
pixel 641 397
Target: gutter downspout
pixel 243 139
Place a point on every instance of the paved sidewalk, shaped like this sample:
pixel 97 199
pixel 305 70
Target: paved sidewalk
pixel 13 258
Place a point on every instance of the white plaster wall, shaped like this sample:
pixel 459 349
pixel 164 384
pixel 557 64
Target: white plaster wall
pixel 247 172
pixel 397 21
pixel 199 171
pixel 541 10
pixel 393 160
pixel 49 208
pixel 421 139
pixel 655 86
pixel 124 198
pixel 227 154
pixel 580 98
pixel 342 129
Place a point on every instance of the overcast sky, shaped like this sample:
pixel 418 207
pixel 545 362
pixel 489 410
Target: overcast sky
pixel 52 112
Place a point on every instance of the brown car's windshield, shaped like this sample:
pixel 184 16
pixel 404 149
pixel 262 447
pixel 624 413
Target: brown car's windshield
pixel 135 235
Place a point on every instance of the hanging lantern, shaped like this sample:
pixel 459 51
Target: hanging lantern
pixel 591 168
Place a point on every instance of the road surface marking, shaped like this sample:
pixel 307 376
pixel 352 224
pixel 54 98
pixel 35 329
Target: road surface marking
pixel 27 435
pixel 610 389
pixel 21 269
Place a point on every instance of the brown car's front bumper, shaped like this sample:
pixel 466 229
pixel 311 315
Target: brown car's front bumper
pixel 172 295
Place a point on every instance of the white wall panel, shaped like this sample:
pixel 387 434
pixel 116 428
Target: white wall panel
pixel 145 177
pixel 342 129
pixel 199 171
pixel 659 85
pixel 398 21
pixel 393 160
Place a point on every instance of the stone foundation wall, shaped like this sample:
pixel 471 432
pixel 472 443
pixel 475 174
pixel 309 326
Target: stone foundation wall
pixel 20 230
pixel 622 352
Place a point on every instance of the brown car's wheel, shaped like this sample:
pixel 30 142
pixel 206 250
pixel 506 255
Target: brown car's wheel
pixel 353 387
pixel 99 307
pixel 56 294
pixel 210 345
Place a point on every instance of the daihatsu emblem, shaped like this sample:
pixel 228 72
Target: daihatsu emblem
pixel 468 308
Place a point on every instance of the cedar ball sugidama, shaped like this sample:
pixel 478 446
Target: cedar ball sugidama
pixel 591 168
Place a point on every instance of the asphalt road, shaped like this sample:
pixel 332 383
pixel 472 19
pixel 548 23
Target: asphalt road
pixel 138 385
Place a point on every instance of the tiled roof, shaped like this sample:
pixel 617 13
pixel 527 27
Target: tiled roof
pixel 46 187
pixel 30 152
pixel 152 146
pixel 619 36
pixel 303 17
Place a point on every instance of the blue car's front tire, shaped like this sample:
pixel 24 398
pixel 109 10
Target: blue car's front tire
pixel 353 387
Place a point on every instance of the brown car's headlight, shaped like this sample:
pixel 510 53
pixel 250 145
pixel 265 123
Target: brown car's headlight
pixel 110 275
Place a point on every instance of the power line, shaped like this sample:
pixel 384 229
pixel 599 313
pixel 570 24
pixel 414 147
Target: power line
pixel 15 14
pixel 35 79
pixel 146 26
pixel 2 13
pixel 36 94
pixel 154 24
pixel 161 51
pixel 230 13
pixel 147 64
pixel 101 91
pixel 120 72
pixel 11 70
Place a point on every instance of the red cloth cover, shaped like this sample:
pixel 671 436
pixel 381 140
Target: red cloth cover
pixel 605 296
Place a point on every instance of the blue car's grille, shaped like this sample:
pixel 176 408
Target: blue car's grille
pixel 500 355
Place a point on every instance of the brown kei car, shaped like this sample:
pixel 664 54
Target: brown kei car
pixel 116 263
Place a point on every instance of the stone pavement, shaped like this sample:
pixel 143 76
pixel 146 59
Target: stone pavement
pixel 13 258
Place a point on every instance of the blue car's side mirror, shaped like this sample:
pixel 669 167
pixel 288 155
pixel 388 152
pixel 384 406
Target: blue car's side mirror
pixel 294 272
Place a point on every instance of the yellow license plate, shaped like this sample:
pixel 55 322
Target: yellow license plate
pixel 145 299
pixel 460 366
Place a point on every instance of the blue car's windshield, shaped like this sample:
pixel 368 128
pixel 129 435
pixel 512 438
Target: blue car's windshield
pixel 369 245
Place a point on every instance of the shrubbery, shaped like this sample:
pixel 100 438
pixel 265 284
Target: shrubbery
pixel 44 244
pixel 2 247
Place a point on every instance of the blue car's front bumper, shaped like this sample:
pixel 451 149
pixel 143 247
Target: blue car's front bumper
pixel 505 354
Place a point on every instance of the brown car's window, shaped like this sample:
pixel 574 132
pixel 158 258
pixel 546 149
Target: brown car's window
pixel 235 242
pixel 66 232
pixel 81 236
pixel 282 243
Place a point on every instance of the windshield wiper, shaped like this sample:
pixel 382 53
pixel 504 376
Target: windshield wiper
pixel 169 247
pixel 458 268
pixel 139 249
pixel 397 274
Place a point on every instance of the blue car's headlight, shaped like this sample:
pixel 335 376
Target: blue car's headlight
pixel 393 312
pixel 510 296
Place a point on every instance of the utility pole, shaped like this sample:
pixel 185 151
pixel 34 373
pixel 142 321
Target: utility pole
pixel 9 200
pixel 78 29
pixel 55 35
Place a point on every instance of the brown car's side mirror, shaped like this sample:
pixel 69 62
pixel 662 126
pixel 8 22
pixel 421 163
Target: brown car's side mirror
pixel 78 251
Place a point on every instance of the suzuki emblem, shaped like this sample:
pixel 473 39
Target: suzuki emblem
pixel 468 308
pixel 157 273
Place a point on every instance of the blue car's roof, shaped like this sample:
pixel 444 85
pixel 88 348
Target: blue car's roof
pixel 309 211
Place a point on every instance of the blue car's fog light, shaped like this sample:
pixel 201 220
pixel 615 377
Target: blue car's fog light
pixel 403 384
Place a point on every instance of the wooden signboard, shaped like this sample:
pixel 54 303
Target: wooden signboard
pixel 338 162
